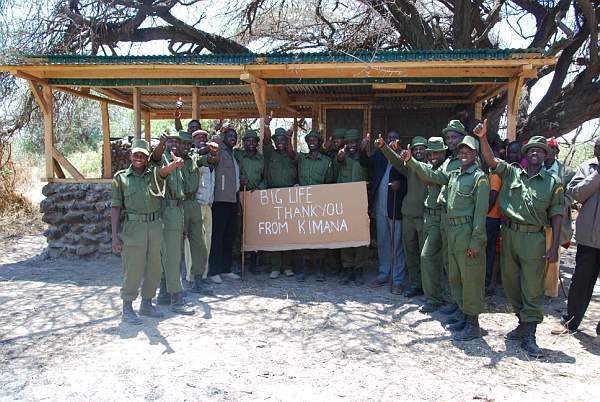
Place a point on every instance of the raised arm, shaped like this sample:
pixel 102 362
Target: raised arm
pixel 486 150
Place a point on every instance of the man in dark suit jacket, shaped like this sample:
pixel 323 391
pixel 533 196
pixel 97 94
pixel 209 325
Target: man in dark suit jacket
pixel 386 184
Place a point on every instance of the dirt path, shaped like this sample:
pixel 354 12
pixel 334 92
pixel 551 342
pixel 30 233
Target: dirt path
pixel 61 339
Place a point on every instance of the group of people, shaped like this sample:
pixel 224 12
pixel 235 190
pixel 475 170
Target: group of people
pixel 437 208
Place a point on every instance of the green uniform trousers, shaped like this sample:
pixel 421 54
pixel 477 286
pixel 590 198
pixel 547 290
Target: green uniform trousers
pixel 354 257
pixel 281 260
pixel 466 274
pixel 172 247
pixel 523 269
pixel 193 227
pixel 413 240
pixel 444 236
pixel 141 259
pixel 431 260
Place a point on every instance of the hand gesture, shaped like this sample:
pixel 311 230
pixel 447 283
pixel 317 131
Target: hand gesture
pixel 269 118
pixel 405 154
pixel 179 103
pixel 395 185
pixel 379 142
pixel 164 137
pixel 341 155
pixel 176 161
pixel 481 129
pixel 117 245
pixel 395 145
pixel 213 148
pixel 366 142
pixel 327 144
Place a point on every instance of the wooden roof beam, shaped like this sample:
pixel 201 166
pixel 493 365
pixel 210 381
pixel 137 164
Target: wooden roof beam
pixel 396 86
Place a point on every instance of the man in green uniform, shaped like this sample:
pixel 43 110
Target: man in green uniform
pixel 193 226
pixel 281 171
pixel 252 174
pixel 314 168
pixel 136 192
pixel 531 199
pixel 413 207
pixel 467 203
pixel 350 170
pixel 453 135
pixel 173 219
pixel 335 143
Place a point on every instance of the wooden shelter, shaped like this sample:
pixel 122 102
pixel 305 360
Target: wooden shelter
pixel 410 90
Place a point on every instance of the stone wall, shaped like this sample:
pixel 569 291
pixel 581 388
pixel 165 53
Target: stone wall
pixel 78 218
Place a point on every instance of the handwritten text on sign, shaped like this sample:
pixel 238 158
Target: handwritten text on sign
pixel 324 216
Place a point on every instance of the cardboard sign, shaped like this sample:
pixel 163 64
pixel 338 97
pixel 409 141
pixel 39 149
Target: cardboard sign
pixel 308 217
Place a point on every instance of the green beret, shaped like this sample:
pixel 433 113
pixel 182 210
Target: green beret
pixel 185 136
pixel 312 134
pixel 338 133
pixel 470 142
pixel 251 134
pixel 140 146
pixel 537 142
pixel 418 140
pixel 456 126
pixel 352 134
pixel 436 144
pixel 279 132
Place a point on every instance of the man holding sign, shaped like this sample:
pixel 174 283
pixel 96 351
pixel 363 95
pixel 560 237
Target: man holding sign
pixel 350 170
pixel 314 168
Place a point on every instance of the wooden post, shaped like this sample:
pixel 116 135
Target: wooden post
pixel 478 107
pixel 48 131
pixel 196 103
pixel 147 127
pixel 106 151
pixel 295 137
pixel 137 114
pixel 514 94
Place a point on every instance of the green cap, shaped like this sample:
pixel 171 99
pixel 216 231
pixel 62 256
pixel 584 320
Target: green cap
pixel 352 134
pixel 175 135
pixel 251 134
pixel 436 144
pixel 185 136
pixel 140 146
pixel 470 142
pixel 279 132
pixel 536 141
pixel 418 140
pixel 312 134
pixel 456 126
pixel 339 133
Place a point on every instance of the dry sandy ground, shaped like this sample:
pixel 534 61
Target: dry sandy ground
pixel 61 339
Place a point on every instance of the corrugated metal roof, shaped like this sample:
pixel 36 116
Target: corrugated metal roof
pixel 286 58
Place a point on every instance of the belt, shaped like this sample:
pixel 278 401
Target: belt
pixel 172 203
pixel 519 227
pixel 433 211
pixel 151 217
pixel 190 197
pixel 461 220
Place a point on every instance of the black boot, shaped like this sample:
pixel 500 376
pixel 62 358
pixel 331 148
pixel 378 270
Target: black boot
pixel 471 330
pixel 412 292
pixel 455 317
pixel 528 343
pixel 320 277
pixel 200 287
pixel 517 333
pixel 178 306
pixel 449 308
pixel 459 323
pixel 149 310
pixel 358 277
pixel 346 275
pixel 129 316
pixel 164 298
pixel 253 267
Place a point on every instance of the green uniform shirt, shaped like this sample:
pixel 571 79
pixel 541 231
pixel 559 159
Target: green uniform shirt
pixel 191 174
pixel 314 171
pixel 419 194
pixel 282 170
pixel 451 163
pixel 252 167
pixel 133 192
pixel 529 200
pixel 174 189
pixel 467 196
pixel 350 170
